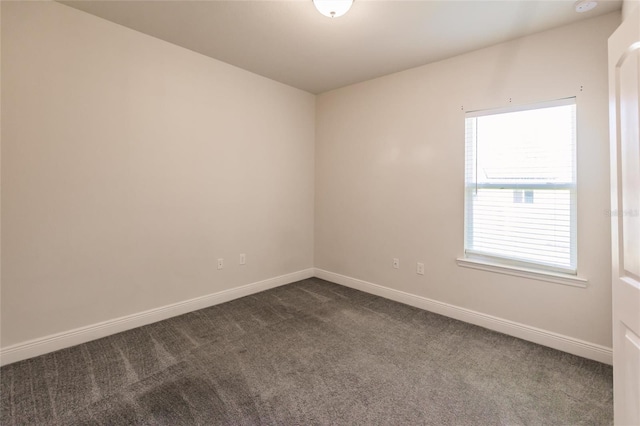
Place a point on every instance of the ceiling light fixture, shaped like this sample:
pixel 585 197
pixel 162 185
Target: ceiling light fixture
pixel 585 5
pixel 333 8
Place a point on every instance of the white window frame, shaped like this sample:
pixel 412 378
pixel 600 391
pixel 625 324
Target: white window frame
pixel 497 263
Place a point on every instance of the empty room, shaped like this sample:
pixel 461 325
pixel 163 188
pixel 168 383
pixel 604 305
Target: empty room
pixel 320 212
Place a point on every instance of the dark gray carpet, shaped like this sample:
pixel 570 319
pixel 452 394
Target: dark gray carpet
pixel 307 353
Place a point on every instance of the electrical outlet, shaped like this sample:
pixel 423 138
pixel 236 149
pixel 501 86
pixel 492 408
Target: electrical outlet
pixel 420 269
pixel 396 263
pixel 220 263
pixel 243 258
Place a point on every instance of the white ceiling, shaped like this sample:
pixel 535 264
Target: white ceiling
pixel 289 41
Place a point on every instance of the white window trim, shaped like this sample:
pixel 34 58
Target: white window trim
pixel 534 274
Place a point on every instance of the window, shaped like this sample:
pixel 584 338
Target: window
pixel 520 186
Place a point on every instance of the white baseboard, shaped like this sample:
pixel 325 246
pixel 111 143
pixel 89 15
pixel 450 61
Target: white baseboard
pixel 69 338
pixel 543 337
pixel 77 336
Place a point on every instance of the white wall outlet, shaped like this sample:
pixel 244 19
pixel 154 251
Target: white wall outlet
pixel 220 263
pixel 420 269
pixel 396 263
pixel 243 258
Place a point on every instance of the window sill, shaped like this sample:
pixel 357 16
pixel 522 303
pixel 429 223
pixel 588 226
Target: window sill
pixel 551 277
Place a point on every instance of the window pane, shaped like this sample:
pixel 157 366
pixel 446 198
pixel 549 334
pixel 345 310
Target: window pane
pixel 526 146
pixel 520 178
pixel 535 232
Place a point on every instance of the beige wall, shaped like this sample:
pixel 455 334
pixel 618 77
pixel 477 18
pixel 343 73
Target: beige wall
pixel 390 170
pixel 628 6
pixel 129 165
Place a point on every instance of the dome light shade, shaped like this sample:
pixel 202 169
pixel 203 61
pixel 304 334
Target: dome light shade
pixel 333 8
